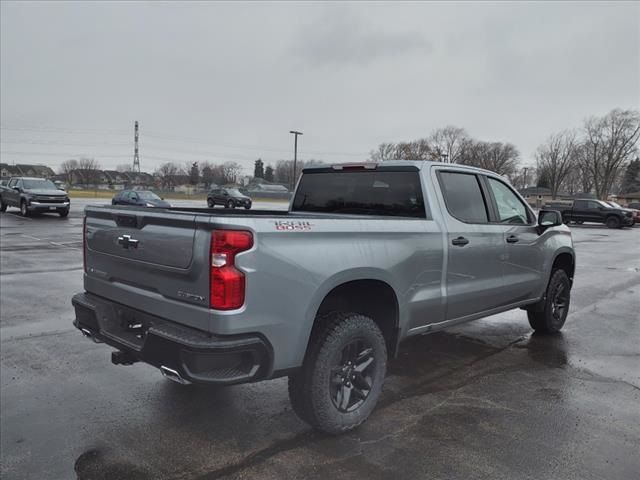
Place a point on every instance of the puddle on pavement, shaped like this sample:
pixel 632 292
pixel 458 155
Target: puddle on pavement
pixel 550 350
pixel 92 465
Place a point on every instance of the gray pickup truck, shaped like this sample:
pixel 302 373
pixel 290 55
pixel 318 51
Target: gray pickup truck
pixel 34 195
pixel 366 256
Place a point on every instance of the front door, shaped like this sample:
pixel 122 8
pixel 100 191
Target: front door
pixel 475 246
pixel 523 260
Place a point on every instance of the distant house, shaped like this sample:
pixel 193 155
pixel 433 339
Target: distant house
pixel 117 180
pixel 25 170
pixel 626 198
pixel 141 179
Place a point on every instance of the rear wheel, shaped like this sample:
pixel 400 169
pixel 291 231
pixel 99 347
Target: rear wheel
pixel 210 203
pixel 24 211
pixel 613 222
pixel 550 314
pixel 341 378
pixel 230 204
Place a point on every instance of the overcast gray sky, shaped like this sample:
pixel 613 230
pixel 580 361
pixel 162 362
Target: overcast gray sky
pixel 227 81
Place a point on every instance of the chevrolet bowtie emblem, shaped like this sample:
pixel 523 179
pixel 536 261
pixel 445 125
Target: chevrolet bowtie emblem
pixel 126 241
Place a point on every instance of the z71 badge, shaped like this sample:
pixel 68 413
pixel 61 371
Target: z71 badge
pixel 292 225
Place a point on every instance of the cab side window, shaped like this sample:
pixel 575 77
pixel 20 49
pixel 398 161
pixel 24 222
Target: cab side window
pixel 510 207
pixel 463 197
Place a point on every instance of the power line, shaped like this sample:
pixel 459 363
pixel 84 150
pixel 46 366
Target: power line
pixel 170 137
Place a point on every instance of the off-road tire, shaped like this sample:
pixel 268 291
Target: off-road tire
pixel 612 222
pixel 309 388
pixel 544 317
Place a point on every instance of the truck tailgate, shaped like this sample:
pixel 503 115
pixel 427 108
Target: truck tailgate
pixel 151 260
pixel 165 240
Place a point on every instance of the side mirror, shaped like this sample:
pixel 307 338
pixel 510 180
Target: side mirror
pixel 549 218
pixel 17 189
pixel 225 194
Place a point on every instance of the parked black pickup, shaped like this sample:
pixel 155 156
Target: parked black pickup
pixel 596 211
pixel 34 195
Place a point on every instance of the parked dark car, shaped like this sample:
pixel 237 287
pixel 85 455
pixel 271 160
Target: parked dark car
pixel 139 198
pixel 229 197
pixel 34 195
pixel 596 211
pixel 634 205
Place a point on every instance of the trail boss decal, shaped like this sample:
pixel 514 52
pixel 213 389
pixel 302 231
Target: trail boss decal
pixel 297 226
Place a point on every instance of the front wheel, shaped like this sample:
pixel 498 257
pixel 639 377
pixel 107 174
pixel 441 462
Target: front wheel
pixel 63 213
pixel 24 211
pixel 550 314
pixel 342 375
pixel 3 206
pixel 613 222
pixel 210 203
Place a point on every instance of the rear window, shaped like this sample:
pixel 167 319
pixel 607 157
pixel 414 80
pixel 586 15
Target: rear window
pixel 361 192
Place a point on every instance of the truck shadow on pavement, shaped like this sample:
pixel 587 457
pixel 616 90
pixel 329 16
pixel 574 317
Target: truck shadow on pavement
pixel 257 421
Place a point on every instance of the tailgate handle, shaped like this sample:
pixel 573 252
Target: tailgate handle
pixel 126 241
pixel 127 221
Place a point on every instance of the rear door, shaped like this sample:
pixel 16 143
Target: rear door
pixel 523 260
pixel 475 245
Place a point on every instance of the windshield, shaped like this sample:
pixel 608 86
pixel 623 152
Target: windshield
pixel 234 192
pixel 38 184
pixel 604 204
pixel 147 195
pixel 614 204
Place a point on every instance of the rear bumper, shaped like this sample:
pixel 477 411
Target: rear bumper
pixel 195 356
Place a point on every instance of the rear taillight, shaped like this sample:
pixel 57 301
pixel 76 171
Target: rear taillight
pixel 84 243
pixel 226 282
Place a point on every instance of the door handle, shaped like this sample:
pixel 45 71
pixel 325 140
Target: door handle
pixel 460 241
pixel 512 239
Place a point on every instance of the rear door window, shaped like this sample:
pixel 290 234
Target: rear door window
pixel 463 196
pixel 361 192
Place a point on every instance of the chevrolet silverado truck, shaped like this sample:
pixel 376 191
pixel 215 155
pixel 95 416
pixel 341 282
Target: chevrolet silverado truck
pixel 34 195
pixel 366 256
pixel 597 211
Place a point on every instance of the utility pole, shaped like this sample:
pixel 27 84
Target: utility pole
pixel 136 157
pixel 295 156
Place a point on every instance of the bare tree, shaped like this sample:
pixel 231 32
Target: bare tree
pixel 385 151
pixel 89 169
pixel 448 142
pixel 231 171
pixel 167 172
pixel 67 167
pixel 498 157
pixel 557 157
pixel 610 142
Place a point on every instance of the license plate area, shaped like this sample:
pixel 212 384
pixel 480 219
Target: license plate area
pixel 52 208
pixel 127 325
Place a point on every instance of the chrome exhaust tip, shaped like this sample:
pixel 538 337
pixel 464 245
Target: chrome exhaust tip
pixel 87 333
pixel 171 374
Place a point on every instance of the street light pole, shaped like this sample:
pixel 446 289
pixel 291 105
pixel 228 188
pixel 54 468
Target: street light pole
pixel 295 155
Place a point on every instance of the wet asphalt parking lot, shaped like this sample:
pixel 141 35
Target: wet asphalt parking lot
pixel 487 400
